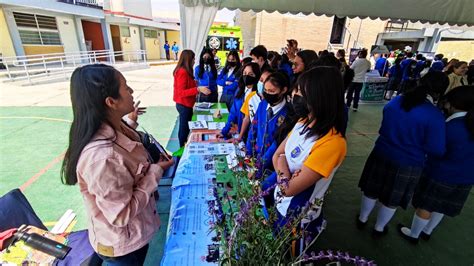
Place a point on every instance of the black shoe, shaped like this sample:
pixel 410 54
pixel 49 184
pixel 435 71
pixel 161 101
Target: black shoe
pixel 410 239
pixel 425 236
pixel 360 225
pixel 378 234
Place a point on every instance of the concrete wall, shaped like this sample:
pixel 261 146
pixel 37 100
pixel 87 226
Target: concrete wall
pixel 6 43
pixel 462 50
pixel 137 8
pixel 69 36
pixel 131 43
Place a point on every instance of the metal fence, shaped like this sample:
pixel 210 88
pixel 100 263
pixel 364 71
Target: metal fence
pixel 54 65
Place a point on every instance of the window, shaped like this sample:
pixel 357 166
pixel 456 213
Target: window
pixel 37 29
pixel 151 34
pixel 124 31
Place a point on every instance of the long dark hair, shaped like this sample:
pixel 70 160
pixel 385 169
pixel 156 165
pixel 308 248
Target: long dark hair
pixel 433 83
pixel 185 61
pixel 256 70
pixel 212 63
pixel 462 98
pixel 308 57
pixel 323 89
pixel 235 54
pixel 90 86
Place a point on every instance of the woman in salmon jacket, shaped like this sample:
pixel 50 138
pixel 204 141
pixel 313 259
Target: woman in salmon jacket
pixel 113 169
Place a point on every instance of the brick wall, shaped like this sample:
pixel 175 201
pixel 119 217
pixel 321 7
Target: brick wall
pixel 312 32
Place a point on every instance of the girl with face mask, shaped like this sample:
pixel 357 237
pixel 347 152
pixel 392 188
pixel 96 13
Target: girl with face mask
pixel 247 84
pixel 228 78
pixel 206 76
pixel 250 103
pixel 313 151
pixel 271 114
pixel 447 180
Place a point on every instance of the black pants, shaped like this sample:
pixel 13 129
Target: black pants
pixel 228 99
pixel 185 115
pixel 353 92
pixel 167 55
pixel 135 258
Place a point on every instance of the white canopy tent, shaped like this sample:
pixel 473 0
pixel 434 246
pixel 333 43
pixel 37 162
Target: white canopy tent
pixel 197 15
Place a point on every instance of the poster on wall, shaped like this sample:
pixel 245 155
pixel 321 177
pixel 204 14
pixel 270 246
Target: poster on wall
pixel 353 55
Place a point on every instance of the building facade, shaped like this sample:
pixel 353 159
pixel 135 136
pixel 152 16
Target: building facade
pixel 332 33
pixel 29 27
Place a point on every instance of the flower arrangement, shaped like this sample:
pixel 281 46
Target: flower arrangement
pixel 250 234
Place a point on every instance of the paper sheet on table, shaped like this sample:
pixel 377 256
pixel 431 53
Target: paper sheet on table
pixel 197 125
pixel 215 125
pixel 204 118
pixel 223 111
pixel 189 233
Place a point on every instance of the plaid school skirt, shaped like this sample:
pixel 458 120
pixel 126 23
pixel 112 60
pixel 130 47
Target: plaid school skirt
pixel 392 184
pixel 436 196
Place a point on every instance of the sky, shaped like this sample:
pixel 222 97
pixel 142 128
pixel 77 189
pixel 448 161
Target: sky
pixel 170 9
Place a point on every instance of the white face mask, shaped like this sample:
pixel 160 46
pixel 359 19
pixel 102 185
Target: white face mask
pixel 260 88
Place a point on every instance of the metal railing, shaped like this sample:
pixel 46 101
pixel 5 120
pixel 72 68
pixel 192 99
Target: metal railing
pixel 87 3
pixel 35 66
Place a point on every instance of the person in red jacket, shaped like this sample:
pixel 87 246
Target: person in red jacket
pixel 185 91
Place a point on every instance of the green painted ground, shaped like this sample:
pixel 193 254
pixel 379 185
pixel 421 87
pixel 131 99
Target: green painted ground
pixel 29 144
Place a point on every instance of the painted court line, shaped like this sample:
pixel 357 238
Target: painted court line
pixel 42 171
pixel 36 117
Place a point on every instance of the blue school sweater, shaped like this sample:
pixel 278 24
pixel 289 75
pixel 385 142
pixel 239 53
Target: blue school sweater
pixel 456 166
pixel 261 142
pixel 407 137
pixel 207 80
pixel 437 66
pixel 235 116
pixel 224 77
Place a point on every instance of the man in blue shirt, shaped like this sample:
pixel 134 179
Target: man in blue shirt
pixel 175 49
pixel 382 65
pixel 167 50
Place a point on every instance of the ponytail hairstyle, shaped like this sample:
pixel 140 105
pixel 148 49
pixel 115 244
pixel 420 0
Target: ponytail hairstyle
pixel 462 98
pixel 90 86
pixel 433 83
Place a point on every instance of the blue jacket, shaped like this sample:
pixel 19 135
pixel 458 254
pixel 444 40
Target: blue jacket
pixel 457 165
pixel 286 68
pixel 167 47
pixel 382 66
pixel 223 78
pixel 406 69
pixel 261 143
pixel 407 137
pixel 437 66
pixel 395 72
pixel 207 80
pixel 235 116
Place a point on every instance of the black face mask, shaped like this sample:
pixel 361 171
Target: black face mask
pixel 272 99
pixel 231 64
pixel 207 61
pixel 249 80
pixel 300 106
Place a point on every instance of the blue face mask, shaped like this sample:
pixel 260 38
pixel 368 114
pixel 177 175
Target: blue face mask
pixel 260 87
